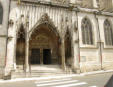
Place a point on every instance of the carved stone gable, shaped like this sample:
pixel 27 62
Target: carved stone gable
pixel 45 19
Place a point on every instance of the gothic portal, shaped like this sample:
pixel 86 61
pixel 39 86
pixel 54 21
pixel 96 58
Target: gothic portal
pixel 70 35
pixel 44 46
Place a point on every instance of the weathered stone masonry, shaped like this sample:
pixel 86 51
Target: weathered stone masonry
pixel 54 26
pixel 3 36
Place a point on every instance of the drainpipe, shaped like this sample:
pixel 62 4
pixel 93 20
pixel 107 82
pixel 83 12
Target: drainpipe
pixel 99 39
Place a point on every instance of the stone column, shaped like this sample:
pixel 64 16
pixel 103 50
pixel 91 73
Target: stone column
pixel 27 56
pixel 76 53
pixel 76 58
pixel 63 53
pixel 99 43
pixel 27 65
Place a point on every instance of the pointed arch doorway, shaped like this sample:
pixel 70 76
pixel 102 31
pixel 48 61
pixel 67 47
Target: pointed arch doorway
pixel 44 46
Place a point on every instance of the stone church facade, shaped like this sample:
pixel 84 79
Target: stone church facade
pixel 74 34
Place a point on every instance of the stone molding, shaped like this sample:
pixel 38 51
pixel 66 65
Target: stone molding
pixel 45 19
pixel 72 7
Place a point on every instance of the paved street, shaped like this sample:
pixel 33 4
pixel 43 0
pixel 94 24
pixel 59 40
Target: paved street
pixel 98 80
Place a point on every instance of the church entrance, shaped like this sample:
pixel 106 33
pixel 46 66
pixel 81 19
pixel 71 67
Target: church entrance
pixel 44 47
pixel 37 59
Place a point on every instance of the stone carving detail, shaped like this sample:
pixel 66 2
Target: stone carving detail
pixel 45 19
pixel 40 40
pixel 23 21
pixel 60 1
pixel 11 22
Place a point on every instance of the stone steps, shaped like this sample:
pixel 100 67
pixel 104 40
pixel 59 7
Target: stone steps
pixel 40 71
pixel 35 74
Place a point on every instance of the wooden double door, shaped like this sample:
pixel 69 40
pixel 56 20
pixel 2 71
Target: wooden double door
pixel 39 56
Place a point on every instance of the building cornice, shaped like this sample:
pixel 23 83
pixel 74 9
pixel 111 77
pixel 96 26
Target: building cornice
pixel 69 6
pixel 95 11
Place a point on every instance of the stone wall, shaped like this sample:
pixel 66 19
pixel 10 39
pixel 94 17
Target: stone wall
pixel 34 13
pixel 3 36
pixel 86 57
pixel 106 5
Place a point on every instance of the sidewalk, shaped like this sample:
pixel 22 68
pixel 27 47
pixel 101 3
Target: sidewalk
pixel 56 77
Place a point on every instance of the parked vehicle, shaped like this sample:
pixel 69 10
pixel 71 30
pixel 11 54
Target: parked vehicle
pixel 110 82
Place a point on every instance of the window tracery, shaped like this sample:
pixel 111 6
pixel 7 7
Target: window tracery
pixel 87 34
pixel 108 33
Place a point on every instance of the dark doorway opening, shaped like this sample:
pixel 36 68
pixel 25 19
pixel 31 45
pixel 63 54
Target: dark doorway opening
pixel 20 48
pixel 35 56
pixel 46 56
pixel 68 52
pixel 20 51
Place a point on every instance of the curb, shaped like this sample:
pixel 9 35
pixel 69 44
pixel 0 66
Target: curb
pixel 96 72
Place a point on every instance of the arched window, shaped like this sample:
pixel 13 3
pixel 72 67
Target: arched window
pixel 1 13
pixel 87 35
pixel 108 33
